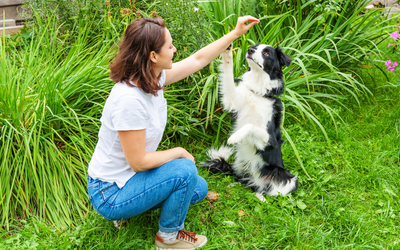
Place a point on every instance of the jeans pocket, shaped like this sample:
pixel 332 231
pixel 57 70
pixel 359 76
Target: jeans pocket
pixel 109 192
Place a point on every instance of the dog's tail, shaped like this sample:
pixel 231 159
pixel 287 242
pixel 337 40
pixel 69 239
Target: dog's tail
pixel 218 162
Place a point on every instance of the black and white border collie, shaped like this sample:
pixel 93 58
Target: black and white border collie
pixel 258 116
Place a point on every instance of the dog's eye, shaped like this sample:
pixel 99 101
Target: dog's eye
pixel 265 54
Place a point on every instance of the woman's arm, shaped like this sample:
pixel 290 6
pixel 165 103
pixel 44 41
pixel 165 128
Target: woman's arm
pixel 205 55
pixel 133 145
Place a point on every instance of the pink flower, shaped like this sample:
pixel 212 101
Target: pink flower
pixel 395 35
pixel 390 66
pixel 389 45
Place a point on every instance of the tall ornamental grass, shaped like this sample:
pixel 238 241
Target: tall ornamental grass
pixel 328 50
pixel 51 96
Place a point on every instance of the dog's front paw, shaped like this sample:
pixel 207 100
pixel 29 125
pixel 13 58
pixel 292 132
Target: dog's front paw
pixel 234 139
pixel 260 140
pixel 260 144
pixel 227 55
pixel 265 138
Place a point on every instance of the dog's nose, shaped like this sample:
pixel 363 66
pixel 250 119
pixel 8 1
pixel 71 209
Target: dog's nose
pixel 251 51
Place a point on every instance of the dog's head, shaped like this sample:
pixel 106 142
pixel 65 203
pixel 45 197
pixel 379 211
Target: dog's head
pixel 268 59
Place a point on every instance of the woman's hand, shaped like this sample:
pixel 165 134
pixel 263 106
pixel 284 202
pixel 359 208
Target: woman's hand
pixel 242 27
pixel 185 154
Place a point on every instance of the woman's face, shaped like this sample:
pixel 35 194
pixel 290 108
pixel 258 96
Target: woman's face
pixel 164 58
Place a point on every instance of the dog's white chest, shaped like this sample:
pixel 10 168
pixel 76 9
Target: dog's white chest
pixel 256 110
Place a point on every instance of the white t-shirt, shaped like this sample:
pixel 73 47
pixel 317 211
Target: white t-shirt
pixel 127 108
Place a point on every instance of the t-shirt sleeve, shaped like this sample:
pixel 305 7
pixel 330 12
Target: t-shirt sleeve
pixel 128 113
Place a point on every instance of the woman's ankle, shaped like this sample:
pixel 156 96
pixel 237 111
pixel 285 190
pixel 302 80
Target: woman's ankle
pixel 168 236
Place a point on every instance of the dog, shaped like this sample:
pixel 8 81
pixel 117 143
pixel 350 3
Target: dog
pixel 258 116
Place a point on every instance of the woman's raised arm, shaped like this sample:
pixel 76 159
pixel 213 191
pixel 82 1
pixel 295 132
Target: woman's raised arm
pixel 205 55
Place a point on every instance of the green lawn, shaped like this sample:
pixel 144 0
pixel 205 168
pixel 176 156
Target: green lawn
pixel 351 202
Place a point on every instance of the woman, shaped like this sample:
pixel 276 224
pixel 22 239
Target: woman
pixel 127 176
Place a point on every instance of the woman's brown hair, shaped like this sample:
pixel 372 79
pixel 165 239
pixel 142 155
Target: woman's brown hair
pixel 133 61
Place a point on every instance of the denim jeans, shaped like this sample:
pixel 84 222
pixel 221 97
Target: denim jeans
pixel 171 187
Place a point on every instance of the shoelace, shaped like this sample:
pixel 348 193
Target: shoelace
pixel 186 235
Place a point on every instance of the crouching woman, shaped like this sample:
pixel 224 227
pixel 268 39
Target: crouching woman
pixel 127 176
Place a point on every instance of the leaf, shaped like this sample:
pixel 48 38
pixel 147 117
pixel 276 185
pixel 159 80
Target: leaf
pixel 242 213
pixel 301 204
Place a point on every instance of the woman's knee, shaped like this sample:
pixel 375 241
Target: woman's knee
pixel 201 188
pixel 185 168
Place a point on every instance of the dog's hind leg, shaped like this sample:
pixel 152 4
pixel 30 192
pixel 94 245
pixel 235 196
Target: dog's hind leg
pixel 260 197
pixel 257 136
pixel 279 181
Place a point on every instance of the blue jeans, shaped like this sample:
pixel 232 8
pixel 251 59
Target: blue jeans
pixel 171 187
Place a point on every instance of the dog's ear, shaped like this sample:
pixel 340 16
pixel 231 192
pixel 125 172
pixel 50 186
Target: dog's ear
pixel 282 57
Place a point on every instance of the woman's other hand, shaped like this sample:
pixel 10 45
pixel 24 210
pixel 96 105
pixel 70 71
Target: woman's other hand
pixel 185 154
pixel 242 27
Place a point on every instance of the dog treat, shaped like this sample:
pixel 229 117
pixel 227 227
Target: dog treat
pixel 212 196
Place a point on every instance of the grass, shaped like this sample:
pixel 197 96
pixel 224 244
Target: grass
pixel 351 202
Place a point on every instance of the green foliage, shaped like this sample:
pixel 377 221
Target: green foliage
pixel 187 24
pixel 66 12
pixel 325 9
pixel 108 17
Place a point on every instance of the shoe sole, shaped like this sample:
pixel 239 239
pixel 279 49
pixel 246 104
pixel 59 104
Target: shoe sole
pixel 202 244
